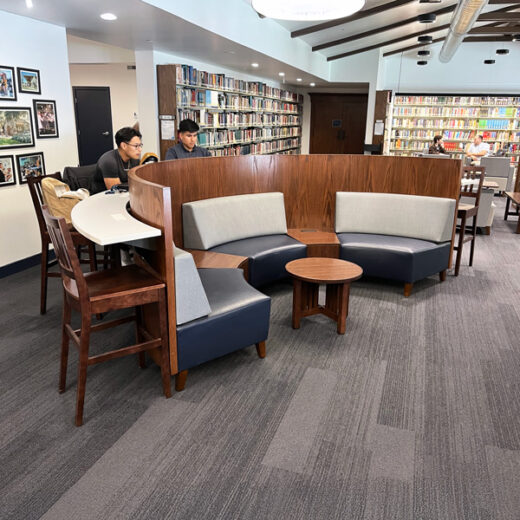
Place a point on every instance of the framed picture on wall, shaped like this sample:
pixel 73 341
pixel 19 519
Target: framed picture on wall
pixel 7 173
pixel 16 130
pixel 30 165
pixel 28 81
pixel 45 118
pixel 7 86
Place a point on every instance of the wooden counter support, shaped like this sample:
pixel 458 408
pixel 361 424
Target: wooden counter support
pixel 319 243
pixel 211 259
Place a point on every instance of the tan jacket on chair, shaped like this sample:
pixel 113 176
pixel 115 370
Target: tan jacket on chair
pixel 59 199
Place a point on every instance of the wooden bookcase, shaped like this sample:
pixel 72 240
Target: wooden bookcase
pixel 236 117
pixel 414 119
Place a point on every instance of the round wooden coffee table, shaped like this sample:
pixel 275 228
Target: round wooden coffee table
pixel 308 274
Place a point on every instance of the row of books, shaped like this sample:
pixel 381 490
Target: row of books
pixel 227 119
pixel 468 136
pixel 479 124
pixel 457 100
pixel 212 99
pixel 223 137
pixel 255 149
pixel 428 135
pixel 188 75
pixel 435 111
pixel 404 144
pixel 502 124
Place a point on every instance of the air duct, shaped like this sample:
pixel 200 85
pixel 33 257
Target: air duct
pixel 463 19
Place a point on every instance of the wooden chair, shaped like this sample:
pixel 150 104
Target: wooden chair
pixel 79 240
pixel 100 292
pixel 474 176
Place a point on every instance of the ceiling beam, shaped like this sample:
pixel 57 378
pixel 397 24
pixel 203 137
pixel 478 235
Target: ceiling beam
pixel 389 42
pixel 487 39
pixel 495 30
pixel 501 2
pixel 411 47
pixel 352 18
pixel 378 30
pixel 499 17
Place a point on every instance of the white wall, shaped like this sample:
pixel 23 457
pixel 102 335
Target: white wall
pixel 122 84
pixel 44 48
pixel 465 73
pixel 82 50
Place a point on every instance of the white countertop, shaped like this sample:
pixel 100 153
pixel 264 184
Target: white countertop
pixel 105 220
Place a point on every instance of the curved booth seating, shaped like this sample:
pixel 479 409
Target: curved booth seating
pixel 252 225
pixel 398 237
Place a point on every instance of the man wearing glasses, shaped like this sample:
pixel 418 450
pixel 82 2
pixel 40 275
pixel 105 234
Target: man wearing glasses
pixel 113 166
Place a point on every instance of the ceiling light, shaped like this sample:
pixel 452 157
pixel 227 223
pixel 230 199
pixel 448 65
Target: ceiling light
pixel 29 4
pixel 255 65
pixel 489 62
pixel 298 79
pixel 426 18
pixel 313 84
pixel 425 39
pixel 516 37
pixel 502 52
pixel 423 53
pixel 108 16
pixel 281 74
pixel 422 62
pixel 303 10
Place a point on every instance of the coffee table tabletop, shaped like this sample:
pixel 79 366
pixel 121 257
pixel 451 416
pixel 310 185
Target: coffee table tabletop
pixel 324 270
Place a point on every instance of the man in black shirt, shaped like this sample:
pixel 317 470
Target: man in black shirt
pixel 187 146
pixel 437 147
pixel 113 166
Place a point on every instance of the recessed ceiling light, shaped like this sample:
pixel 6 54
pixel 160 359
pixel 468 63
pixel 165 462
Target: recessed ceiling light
pixel 425 39
pixel 489 62
pixel 426 18
pixel 281 74
pixel 29 4
pixel 502 52
pixel 255 65
pixel 108 16
pixel 313 84
pixel 298 79
pixel 306 9
pixel 422 62
pixel 423 53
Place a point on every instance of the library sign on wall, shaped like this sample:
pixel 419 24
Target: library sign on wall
pixel 415 119
pixel 236 117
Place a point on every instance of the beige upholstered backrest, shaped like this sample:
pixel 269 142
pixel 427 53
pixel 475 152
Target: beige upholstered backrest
pixel 426 218
pixel 211 222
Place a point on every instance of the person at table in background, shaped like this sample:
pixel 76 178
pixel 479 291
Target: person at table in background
pixel 437 146
pixel 187 146
pixel 477 150
pixel 113 166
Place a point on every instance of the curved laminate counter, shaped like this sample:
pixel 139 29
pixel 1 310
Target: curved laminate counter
pixel 104 219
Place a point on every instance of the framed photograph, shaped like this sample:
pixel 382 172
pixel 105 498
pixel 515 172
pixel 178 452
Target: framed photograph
pixel 7 86
pixel 16 130
pixel 30 165
pixel 45 118
pixel 29 81
pixel 7 176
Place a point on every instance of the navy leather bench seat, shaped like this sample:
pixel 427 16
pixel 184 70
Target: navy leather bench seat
pixel 394 257
pixel 267 254
pixel 239 316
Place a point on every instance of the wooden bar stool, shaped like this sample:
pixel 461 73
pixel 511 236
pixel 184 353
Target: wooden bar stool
pixel 472 179
pixel 100 292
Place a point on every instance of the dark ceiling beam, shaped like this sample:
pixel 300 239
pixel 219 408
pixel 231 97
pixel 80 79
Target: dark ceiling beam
pixel 487 39
pixel 389 42
pixel 501 2
pixel 358 36
pixel 499 17
pixel 495 30
pixel 411 47
pixel 357 16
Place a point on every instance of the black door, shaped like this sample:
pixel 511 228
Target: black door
pixel 93 122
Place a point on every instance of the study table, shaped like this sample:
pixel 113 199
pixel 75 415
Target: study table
pixel 104 219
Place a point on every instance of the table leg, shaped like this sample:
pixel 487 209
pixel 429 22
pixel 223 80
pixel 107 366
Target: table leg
pixel 506 213
pixel 518 226
pixel 344 290
pixel 297 303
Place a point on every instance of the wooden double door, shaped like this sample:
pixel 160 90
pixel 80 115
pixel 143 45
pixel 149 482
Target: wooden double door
pixel 338 123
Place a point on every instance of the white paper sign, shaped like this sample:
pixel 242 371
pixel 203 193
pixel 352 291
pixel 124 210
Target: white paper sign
pixel 167 129
pixel 379 127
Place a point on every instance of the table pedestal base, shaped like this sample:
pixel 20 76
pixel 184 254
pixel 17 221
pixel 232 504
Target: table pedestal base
pixel 305 302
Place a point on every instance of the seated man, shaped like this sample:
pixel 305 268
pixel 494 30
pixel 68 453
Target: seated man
pixel 477 150
pixel 113 166
pixel 187 146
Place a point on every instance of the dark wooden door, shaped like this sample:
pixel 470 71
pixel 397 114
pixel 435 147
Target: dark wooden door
pixel 93 122
pixel 338 123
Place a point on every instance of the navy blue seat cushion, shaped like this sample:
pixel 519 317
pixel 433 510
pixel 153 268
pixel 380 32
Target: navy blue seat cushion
pixel 392 257
pixel 239 317
pixel 267 254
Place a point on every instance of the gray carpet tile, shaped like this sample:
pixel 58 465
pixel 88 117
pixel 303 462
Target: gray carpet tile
pixel 413 414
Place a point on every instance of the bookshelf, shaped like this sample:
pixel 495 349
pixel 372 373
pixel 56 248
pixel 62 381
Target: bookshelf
pixel 236 117
pixel 413 120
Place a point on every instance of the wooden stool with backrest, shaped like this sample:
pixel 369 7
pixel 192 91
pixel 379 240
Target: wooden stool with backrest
pixel 100 292
pixel 474 175
pixel 79 240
